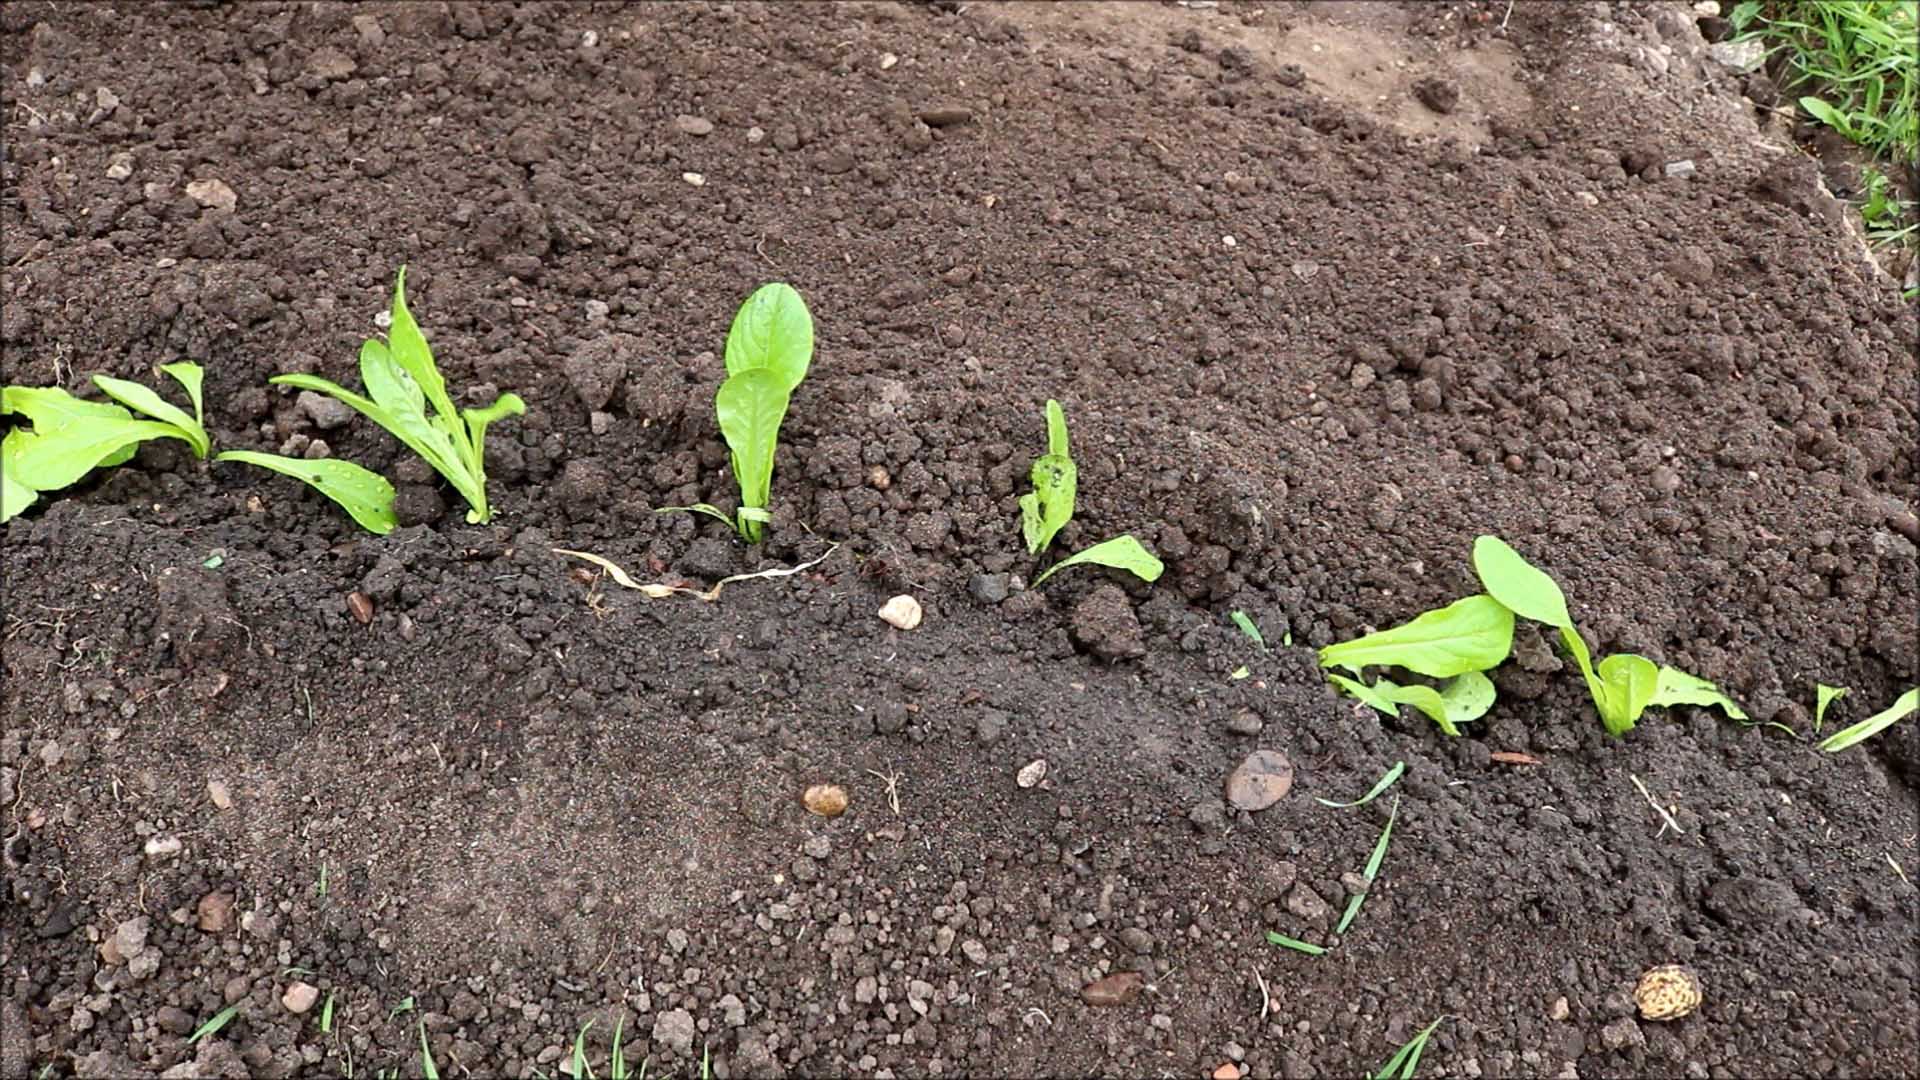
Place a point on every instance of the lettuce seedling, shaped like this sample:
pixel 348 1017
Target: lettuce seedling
pixel 1464 699
pixel 71 436
pixel 1046 509
pixel 1622 685
pixel 402 380
pixel 769 348
pixel 1122 552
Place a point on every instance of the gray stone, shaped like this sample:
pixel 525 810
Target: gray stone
pixel 989 588
pixel 1308 905
pixel 675 1029
pixel 325 412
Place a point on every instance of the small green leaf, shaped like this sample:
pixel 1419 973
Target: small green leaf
pixel 1875 724
pixel 1467 697
pixel 1295 944
pixel 51 461
pixel 1372 871
pixel 1239 673
pixel 1825 696
pixel 427 1068
pixel 191 378
pixel 772 330
pixel 1057 430
pixel 362 493
pixel 700 508
pixel 1122 553
pixel 142 399
pixel 1629 683
pixel 326 1015
pixel 1387 696
pixel 1049 506
pixel 408 347
pixel 215 1023
pixel 14 495
pixel 388 383
pixel 1473 634
pixel 1518 584
pixel 1826 114
pixel 751 405
pixel 1385 782
pixel 1676 687
pixel 1245 622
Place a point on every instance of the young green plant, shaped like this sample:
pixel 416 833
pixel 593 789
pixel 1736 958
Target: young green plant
pixel 70 437
pixel 401 381
pixel 1457 643
pixel 1873 725
pixel 769 348
pixel 1622 685
pixel 1046 509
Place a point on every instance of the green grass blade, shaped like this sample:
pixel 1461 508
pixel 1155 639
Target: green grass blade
pixel 1295 944
pixel 1873 725
pixel 1385 782
pixel 1245 622
pixel 1372 871
pixel 427 1067
pixel 326 1015
pixel 1824 696
pixel 213 1025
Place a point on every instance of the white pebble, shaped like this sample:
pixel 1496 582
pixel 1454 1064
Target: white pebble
pixel 902 611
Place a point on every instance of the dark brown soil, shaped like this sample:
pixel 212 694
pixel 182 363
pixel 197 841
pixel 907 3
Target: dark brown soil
pixel 520 801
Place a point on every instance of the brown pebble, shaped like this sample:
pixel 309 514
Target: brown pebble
pixel 362 607
pixel 1260 781
pixel 941 116
pixel 215 912
pixel 1116 989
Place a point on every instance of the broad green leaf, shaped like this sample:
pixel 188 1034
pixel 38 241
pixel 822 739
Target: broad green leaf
pixel 388 383
pixel 1473 634
pixel 1826 114
pixel 1046 509
pixel 362 493
pixel 751 405
pixel 1519 584
pixel 53 461
pixel 189 376
pixel 1385 782
pixel 1122 553
pixel 1629 683
pixel 14 495
pixel 772 330
pixel 1875 724
pixel 1825 696
pixel 142 399
pixel 1676 687
pixel 51 408
pixel 1467 697
pixel 409 349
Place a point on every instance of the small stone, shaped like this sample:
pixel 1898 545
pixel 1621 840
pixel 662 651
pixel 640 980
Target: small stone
pixel 1137 939
pixel 887 60
pixel 213 194
pixel 217 792
pixel 1745 55
pixel 127 941
pixel 1031 773
pixel 1228 1071
pixel 1559 1009
pixel 975 952
pixel 1680 170
pixel 369 29
pixel 361 605
pixel 756 134
pixel 161 847
pixel 173 1020
pixel 300 997
pixel 214 912
pixel 1621 1034
pixel 902 611
pixel 826 800
pixel 325 412
pixel 1104 623
pixel 694 178
pixel 1587 198
pixel 1307 904
pixel 941 116
pixel 1245 722
pixel 675 1028
pixel 1260 781
pixel 697 126
pixel 1119 988
pixel 120 166
pixel 989 588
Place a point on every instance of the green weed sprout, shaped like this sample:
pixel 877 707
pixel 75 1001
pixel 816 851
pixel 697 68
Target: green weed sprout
pixel 1873 725
pixel 71 436
pixel 402 380
pixel 769 348
pixel 1046 509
